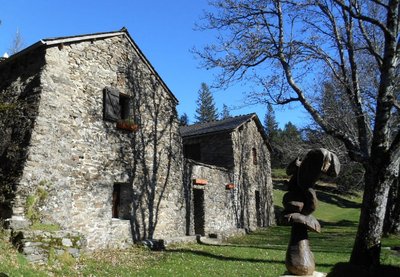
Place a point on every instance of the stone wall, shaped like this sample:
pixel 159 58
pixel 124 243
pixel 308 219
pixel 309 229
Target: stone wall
pixel 219 214
pixel 42 246
pixel 20 89
pixel 80 156
pixel 253 177
pixel 246 154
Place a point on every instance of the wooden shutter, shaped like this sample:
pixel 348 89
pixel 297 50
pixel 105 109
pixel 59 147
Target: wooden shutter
pixel 112 108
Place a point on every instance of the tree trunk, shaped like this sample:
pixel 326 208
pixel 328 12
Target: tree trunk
pixel 367 246
pixel 392 218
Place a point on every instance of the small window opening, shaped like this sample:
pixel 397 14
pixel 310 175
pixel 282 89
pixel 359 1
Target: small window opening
pixel 258 208
pixel 124 103
pixel 254 153
pixel 122 201
pixel 116 105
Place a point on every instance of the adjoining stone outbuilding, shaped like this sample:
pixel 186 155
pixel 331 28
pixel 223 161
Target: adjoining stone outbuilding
pixel 227 176
pixel 89 141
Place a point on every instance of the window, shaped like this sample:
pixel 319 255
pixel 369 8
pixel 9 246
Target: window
pixel 122 201
pixel 258 208
pixel 254 153
pixel 124 103
pixel 116 105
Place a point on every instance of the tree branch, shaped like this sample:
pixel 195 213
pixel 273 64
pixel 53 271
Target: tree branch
pixel 371 20
pixel 371 49
pixel 380 4
pixel 355 92
pixel 352 146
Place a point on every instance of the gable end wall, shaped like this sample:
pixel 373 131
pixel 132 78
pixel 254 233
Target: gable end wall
pixel 77 156
pixel 251 177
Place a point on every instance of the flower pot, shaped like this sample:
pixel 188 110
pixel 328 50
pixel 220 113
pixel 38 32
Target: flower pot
pixel 128 126
pixel 200 182
pixel 229 186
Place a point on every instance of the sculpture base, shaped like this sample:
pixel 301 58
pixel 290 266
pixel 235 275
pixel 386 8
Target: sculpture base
pixel 315 274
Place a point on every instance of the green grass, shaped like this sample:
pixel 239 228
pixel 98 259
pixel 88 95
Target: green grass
pixel 279 173
pixel 260 253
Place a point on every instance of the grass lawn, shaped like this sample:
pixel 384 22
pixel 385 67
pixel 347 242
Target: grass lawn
pixel 260 253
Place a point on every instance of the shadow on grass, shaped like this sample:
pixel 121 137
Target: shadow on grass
pixel 327 194
pixel 222 257
pixel 349 270
pixel 333 189
pixel 340 223
pixel 337 200
pixel 231 259
pixel 281 185
pixel 283 247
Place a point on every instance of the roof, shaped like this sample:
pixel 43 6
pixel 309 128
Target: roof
pixel 222 126
pixel 94 36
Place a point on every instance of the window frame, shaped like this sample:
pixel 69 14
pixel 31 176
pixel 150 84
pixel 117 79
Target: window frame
pixel 116 105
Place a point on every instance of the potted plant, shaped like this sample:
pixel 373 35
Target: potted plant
pixel 201 182
pixel 229 186
pixel 127 124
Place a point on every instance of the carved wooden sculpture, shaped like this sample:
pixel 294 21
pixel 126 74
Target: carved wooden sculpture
pixel 300 201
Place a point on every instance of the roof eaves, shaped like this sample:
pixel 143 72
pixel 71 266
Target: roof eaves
pixel 20 53
pixel 251 116
pixel 70 39
pixel 260 128
pixel 262 132
pixel 125 31
pixel 55 41
pixel 208 133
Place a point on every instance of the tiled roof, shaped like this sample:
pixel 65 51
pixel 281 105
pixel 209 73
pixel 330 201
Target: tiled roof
pixel 218 126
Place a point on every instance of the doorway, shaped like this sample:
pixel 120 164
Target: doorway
pixel 198 209
pixel 258 208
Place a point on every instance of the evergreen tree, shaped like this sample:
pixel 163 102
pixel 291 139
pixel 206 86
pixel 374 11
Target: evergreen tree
pixel 184 120
pixel 287 145
pixel 270 124
pixel 206 110
pixel 225 112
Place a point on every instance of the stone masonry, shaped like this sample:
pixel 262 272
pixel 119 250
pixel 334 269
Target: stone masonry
pixel 218 202
pixel 231 151
pixel 67 161
pixel 54 130
pixel 253 175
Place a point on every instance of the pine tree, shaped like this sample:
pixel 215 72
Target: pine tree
pixel 270 124
pixel 206 110
pixel 225 112
pixel 184 120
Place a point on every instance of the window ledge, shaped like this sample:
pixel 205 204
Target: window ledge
pixel 127 126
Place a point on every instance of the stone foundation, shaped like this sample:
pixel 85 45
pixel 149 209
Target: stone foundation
pixel 42 246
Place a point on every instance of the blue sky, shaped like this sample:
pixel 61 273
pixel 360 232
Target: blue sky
pixel 164 31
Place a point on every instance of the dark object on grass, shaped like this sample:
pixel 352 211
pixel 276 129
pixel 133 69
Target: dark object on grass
pixel 154 244
pixel 300 201
pixel 351 270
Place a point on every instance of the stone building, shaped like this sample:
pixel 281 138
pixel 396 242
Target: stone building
pixel 87 125
pixel 227 176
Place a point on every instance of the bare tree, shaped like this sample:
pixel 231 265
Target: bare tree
pixel 17 43
pixel 290 46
